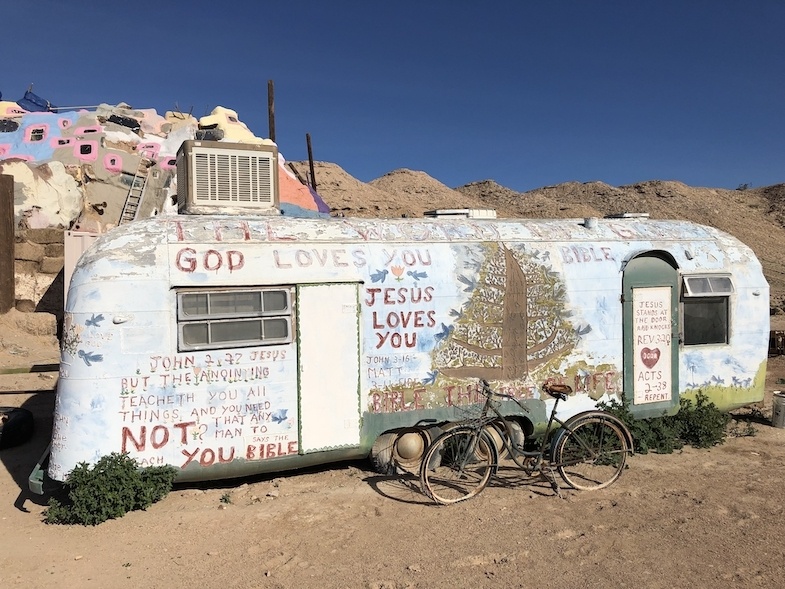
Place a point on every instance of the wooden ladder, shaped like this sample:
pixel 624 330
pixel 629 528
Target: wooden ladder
pixel 135 193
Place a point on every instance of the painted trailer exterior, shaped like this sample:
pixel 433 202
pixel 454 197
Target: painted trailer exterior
pixel 227 346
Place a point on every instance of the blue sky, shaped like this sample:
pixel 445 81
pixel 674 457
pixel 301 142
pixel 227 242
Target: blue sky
pixel 525 93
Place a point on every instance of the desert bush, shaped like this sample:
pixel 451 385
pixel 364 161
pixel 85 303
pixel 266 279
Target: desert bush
pixel 111 488
pixel 699 424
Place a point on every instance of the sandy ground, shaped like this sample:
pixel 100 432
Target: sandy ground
pixel 696 518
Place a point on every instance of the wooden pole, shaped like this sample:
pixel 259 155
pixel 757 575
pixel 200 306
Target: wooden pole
pixel 271 109
pixel 7 271
pixel 310 160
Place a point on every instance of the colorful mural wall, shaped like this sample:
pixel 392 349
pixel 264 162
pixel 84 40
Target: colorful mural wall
pixel 74 169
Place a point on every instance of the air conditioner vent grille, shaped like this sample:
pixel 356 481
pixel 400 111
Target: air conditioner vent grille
pixel 220 177
pixel 232 178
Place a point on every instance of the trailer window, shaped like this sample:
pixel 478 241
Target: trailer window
pixel 233 318
pixel 705 309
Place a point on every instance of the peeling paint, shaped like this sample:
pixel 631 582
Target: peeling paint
pixel 439 304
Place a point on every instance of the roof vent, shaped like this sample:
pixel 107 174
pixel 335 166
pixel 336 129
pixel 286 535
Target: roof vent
pixel 628 216
pixel 462 213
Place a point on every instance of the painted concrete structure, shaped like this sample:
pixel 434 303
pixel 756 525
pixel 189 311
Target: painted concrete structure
pixel 391 322
pixel 74 169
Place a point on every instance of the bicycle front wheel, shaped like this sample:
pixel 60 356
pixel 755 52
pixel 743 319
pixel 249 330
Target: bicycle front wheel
pixel 457 465
pixel 591 453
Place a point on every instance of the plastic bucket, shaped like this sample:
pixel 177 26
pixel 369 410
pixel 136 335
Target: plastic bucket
pixel 778 409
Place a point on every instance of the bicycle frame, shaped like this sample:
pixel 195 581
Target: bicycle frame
pixel 521 457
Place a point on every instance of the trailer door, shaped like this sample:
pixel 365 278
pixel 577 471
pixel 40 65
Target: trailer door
pixel 328 330
pixel 651 335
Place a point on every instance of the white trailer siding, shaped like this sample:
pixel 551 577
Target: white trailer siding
pixel 392 321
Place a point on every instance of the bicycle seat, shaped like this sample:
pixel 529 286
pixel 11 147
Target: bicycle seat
pixel 557 390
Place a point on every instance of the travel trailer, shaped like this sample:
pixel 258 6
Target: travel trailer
pixel 229 345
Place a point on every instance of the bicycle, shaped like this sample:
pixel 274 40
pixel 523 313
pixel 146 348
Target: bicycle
pixel 589 450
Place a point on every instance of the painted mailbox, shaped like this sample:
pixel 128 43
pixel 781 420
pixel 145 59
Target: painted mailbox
pixel 227 346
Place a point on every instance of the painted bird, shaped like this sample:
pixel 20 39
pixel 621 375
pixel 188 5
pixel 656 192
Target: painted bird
pixel 90 357
pixel 279 416
pixel 379 275
pixel 95 320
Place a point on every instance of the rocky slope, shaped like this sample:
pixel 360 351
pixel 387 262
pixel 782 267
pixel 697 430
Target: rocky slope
pixel 756 215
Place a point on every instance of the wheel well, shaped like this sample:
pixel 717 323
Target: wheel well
pixel 401 449
pixel 525 424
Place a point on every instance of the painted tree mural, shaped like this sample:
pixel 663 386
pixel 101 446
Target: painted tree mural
pixel 514 322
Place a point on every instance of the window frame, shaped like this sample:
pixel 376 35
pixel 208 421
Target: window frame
pixel 716 289
pixel 36 133
pixel 208 318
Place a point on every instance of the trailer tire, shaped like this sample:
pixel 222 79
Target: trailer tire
pixel 382 454
pixel 16 426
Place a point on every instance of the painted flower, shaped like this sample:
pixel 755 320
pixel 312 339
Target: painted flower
pixel 397 272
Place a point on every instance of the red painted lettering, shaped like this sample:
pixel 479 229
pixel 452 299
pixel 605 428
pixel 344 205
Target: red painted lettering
pixel 388 300
pixel 185 260
pixel 212 260
pixel 235 260
pixel 372 292
pixel 207 458
pixel 189 456
pixel 159 436
pixel 138 444
pixel 183 427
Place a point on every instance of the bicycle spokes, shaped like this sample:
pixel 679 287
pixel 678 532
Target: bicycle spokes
pixel 591 454
pixel 458 465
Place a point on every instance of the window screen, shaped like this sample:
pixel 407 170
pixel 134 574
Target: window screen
pixel 233 318
pixel 705 309
pixel 697 286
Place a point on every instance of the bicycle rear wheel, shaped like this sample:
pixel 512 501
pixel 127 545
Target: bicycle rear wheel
pixel 591 453
pixel 458 465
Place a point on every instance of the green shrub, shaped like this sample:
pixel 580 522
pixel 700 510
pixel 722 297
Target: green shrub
pixel 108 490
pixel 702 425
pixel 698 424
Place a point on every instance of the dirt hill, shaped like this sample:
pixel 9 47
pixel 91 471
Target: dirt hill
pixel 756 215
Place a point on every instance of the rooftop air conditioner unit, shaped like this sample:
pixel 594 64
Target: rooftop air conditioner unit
pixel 214 177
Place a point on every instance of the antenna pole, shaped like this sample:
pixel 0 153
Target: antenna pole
pixel 310 160
pixel 271 109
